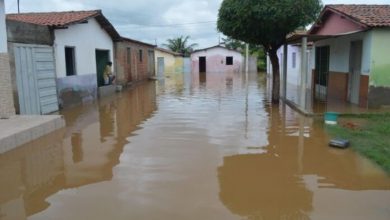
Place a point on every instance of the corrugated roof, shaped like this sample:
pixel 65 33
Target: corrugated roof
pixel 370 15
pixel 65 18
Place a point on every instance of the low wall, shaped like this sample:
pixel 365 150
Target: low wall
pixel 74 90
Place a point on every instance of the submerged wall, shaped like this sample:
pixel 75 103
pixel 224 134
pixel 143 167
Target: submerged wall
pixel 75 90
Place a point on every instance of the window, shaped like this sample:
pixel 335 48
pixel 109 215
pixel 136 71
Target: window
pixel 128 55
pixel 294 60
pixel 229 60
pixel 70 61
pixel 140 56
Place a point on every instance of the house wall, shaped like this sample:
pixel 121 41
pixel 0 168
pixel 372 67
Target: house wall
pixel 85 38
pixel 216 60
pixel 379 81
pixel 169 61
pixel 6 100
pixel 135 70
pixel 339 64
pixel 90 36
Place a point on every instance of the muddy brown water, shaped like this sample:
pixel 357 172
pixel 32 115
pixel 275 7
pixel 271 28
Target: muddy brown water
pixel 207 146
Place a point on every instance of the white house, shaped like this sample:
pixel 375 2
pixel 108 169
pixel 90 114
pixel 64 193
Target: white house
pixel 6 100
pixel 83 44
pixel 217 59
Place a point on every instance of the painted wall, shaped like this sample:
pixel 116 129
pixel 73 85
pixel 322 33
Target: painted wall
pixel 340 52
pixel 336 24
pixel 169 61
pixel 380 73
pixel 3 33
pixel 86 38
pixel 216 60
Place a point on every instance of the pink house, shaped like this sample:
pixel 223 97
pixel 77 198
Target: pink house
pixel 217 59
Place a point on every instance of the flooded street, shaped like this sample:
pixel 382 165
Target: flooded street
pixel 208 146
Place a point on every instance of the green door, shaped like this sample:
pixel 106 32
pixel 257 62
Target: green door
pixel 102 57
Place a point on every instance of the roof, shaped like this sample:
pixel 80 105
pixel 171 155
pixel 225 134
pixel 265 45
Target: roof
pixel 136 41
pixel 64 19
pixel 168 51
pixel 368 16
pixel 216 46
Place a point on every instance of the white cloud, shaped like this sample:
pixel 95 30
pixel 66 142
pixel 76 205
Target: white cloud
pixel 147 20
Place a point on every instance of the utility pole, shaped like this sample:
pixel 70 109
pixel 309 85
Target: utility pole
pixel 18 7
pixel 246 58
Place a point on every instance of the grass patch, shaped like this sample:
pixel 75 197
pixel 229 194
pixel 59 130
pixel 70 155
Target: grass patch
pixel 371 138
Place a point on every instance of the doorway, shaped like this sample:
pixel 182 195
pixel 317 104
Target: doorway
pixel 102 57
pixel 202 64
pixel 160 67
pixel 354 72
pixel 321 73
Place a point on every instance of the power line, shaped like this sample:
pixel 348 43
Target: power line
pixel 165 25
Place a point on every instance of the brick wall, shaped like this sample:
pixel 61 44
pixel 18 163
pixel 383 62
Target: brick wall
pixel 136 70
pixel 6 99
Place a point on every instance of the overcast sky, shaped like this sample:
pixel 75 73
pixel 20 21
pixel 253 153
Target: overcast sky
pixel 153 21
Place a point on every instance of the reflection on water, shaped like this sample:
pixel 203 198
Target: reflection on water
pixel 190 146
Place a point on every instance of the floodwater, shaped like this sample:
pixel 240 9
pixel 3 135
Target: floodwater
pixel 208 146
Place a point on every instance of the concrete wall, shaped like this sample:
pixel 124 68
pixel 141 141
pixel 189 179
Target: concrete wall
pixel 75 90
pixel 19 32
pixel 216 60
pixel 135 70
pixel 379 91
pixel 6 99
pixel 3 35
pixel 86 38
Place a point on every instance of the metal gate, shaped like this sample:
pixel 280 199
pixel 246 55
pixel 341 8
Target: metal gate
pixel 36 79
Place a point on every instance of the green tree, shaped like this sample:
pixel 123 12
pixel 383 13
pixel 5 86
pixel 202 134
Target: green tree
pixel 266 23
pixel 180 45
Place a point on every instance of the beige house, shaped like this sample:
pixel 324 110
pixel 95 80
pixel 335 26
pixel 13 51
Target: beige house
pixel 167 62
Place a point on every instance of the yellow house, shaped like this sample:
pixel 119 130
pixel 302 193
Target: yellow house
pixel 167 62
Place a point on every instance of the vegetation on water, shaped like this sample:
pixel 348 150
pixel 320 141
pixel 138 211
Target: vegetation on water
pixel 266 23
pixel 370 136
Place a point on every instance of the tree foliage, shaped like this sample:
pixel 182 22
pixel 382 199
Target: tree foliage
pixel 180 45
pixel 266 23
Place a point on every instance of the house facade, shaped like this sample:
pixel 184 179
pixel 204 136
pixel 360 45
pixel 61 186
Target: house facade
pixel 83 44
pixel 351 60
pixel 134 61
pixel 6 99
pixel 168 62
pixel 217 59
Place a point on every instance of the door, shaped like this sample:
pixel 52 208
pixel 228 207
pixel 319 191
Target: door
pixel 36 79
pixel 355 71
pixel 160 67
pixel 202 64
pixel 102 58
pixel 151 63
pixel 321 72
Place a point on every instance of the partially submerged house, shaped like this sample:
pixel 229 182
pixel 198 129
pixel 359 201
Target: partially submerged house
pixel 83 43
pixel 134 61
pixel 169 62
pixel 6 100
pixel 217 59
pixel 351 59
pixel 345 60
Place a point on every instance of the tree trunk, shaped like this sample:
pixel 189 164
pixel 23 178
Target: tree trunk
pixel 275 76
